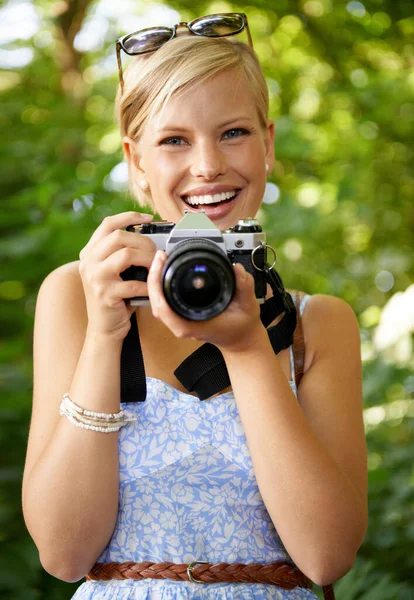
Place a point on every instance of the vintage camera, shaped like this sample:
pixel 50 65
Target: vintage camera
pixel 198 279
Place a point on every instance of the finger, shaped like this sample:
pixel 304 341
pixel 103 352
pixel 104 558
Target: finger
pixel 98 276
pixel 123 258
pixel 180 327
pixel 244 282
pixel 129 289
pixel 113 222
pixel 155 291
pixel 116 240
pixel 114 292
pixel 241 274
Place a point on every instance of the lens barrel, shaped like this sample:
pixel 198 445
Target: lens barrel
pixel 198 279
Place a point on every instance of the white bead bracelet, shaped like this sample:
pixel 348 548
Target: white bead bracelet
pixel 96 421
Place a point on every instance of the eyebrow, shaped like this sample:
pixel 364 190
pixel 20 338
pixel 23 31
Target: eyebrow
pixel 172 128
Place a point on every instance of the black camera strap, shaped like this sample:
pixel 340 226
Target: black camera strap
pixel 204 371
pixel 133 380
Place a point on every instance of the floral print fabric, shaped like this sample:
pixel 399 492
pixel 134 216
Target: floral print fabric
pixel 188 492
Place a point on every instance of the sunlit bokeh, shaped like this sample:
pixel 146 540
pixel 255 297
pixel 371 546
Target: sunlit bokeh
pixel 338 209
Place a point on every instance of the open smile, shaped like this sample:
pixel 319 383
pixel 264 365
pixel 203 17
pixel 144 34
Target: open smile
pixel 210 198
pixel 216 206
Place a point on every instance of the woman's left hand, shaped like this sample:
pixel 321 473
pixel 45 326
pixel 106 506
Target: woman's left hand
pixel 236 329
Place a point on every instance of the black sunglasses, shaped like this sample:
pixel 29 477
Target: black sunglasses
pixel 152 38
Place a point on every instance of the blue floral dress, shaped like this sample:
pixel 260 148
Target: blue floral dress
pixel 188 492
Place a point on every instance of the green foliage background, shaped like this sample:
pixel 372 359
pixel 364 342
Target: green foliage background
pixel 341 84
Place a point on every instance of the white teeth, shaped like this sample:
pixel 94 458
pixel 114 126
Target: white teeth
pixel 210 199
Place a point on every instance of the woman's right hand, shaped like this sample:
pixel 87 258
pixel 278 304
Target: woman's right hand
pixel 110 251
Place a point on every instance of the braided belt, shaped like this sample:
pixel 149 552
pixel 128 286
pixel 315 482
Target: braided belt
pixel 283 574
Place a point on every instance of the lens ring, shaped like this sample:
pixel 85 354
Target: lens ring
pixel 193 310
pixel 182 259
pixel 198 283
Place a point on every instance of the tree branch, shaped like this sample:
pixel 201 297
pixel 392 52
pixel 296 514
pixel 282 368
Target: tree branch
pixel 69 22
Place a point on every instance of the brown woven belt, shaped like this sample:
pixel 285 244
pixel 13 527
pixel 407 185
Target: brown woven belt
pixel 283 574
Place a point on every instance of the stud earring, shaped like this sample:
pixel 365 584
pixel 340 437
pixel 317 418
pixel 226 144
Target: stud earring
pixel 144 185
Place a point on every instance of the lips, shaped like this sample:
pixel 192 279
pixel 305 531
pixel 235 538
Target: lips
pixel 210 196
pixel 216 210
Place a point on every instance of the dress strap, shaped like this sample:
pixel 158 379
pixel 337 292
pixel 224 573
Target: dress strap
pixel 298 347
pixel 303 303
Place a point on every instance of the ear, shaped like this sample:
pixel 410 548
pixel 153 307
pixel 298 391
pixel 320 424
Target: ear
pixel 270 143
pixel 132 155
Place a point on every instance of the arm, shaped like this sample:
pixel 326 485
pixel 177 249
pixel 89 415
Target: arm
pixel 309 458
pixel 70 486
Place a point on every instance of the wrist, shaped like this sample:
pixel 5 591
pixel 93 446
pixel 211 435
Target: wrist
pixel 252 344
pixel 106 341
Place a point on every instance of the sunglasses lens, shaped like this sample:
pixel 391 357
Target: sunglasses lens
pixel 147 40
pixel 218 25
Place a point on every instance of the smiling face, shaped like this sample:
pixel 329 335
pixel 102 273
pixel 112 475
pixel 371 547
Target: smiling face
pixel 206 150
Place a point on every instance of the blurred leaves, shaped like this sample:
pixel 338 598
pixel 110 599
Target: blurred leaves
pixel 341 94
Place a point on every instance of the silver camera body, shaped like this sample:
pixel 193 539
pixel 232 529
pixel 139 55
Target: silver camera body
pixel 200 260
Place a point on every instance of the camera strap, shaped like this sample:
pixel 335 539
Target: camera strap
pixel 204 371
pixel 133 380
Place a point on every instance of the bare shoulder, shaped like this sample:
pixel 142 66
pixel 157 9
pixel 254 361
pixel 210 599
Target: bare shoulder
pixel 323 306
pixel 64 278
pixel 61 295
pixel 328 323
pixel 60 319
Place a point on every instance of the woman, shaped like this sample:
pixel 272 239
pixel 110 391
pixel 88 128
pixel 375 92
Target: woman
pixel 261 472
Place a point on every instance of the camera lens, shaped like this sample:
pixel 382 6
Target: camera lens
pixel 197 285
pixel 198 281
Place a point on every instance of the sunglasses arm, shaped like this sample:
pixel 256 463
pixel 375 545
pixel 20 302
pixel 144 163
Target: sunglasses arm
pixel 248 34
pixel 118 57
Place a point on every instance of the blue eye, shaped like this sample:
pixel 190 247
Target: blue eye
pixel 173 141
pixel 235 133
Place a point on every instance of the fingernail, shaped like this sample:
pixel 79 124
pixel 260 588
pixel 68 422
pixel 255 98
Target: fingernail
pixel 145 215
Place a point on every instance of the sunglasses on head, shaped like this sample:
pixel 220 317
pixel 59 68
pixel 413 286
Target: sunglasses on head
pixel 152 38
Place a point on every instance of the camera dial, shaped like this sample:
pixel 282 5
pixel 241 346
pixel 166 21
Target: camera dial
pixel 248 225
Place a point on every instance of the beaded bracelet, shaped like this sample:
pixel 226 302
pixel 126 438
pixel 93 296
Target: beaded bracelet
pixel 106 429
pixel 96 421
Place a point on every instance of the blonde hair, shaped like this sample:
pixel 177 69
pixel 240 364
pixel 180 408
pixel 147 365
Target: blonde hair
pixel 151 79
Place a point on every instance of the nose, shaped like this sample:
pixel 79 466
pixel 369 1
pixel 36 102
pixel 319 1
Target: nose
pixel 208 162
